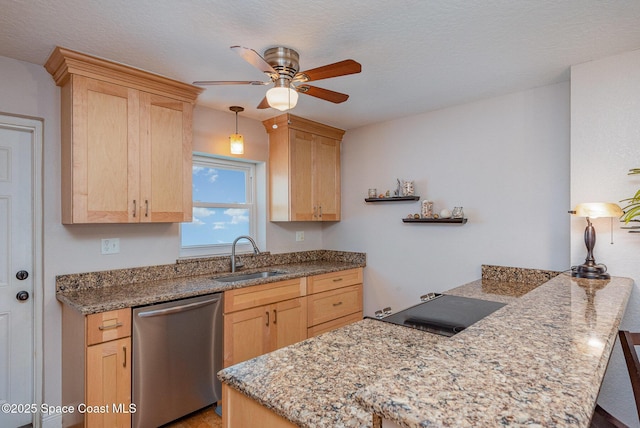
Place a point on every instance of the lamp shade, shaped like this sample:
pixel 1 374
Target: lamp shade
pixel 236 143
pixel 282 98
pixel 598 209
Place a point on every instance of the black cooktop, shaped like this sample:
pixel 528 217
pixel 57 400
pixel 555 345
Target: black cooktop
pixel 443 314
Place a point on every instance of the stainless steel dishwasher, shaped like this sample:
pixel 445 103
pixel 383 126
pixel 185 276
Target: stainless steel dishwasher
pixel 177 351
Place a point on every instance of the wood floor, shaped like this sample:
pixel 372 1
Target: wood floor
pixel 206 418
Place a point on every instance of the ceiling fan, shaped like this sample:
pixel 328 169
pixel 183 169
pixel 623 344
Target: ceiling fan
pixel 281 65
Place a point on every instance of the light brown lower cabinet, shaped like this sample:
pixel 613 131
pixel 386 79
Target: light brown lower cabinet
pixel 266 317
pixel 256 331
pixel 96 368
pixel 241 411
pixel 263 318
pixel 334 300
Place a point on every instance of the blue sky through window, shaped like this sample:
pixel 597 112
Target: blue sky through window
pixel 217 225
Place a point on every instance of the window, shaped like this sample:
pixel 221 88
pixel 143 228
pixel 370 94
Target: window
pixel 223 207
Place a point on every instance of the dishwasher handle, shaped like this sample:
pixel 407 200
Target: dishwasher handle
pixel 175 309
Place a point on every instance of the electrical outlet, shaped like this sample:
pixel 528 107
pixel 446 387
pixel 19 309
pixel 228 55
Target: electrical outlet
pixel 299 236
pixel 111 246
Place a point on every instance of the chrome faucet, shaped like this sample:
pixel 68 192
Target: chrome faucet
pixel 233 251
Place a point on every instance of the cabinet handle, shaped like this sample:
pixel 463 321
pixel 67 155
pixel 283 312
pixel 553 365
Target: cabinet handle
pixel 109 327
pixel 320 211
pixel 124 351
pixel 267 318
pixel 337 279
pixel 134 208
pixel 275 316
pixel 337 304
pixel 146 208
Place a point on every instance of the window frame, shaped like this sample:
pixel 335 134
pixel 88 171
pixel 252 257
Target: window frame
pixel 212 250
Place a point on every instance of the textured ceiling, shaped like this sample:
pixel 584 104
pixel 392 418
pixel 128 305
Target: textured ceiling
pixel 416 55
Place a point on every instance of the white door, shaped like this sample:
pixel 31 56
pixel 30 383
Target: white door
pixel 16 275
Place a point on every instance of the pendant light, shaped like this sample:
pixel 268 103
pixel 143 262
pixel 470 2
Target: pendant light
pixel 236 141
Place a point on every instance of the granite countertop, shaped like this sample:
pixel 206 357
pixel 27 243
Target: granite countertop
pixel 105 291
pixel 538 361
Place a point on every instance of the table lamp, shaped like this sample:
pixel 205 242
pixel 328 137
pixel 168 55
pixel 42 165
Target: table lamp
pixel 589 269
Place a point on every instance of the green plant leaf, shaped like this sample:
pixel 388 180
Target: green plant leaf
pixel 632 210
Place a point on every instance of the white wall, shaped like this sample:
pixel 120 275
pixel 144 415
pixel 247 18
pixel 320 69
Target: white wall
pixel 505 160
pixel 605 144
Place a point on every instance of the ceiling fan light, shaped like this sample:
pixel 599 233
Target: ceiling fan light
pixel 282 98
pixel 236 143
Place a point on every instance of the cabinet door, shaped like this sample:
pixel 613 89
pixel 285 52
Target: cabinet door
pixel 246 334
pixel 108 384
pixel 99 152
pixel 165 159
pixel 288 324
pixel 302 205
pixel 326 178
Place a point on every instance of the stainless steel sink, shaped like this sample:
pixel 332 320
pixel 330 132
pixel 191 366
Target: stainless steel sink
pixel 246 276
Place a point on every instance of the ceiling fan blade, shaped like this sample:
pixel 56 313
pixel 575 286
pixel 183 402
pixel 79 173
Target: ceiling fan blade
pixel 254 58
pixel 263 104
pixel 342 68
pixel 230 82
pixel 325 94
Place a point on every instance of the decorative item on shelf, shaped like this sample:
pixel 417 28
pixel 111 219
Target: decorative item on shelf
pixel 445 213
pixel 427 209
pixel 373 193
pixel 416 216
pixel 589 269
pixel 236 141
pixel 407 188
pixel 457 212
pixel 388 194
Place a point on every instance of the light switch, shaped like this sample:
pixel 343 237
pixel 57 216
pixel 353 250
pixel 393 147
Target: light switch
pixel 299 236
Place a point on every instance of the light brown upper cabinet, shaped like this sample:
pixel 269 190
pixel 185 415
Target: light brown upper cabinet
pixel 126 142
pixel 304 169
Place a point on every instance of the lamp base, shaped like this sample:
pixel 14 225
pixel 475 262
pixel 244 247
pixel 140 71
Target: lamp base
pixel 590 271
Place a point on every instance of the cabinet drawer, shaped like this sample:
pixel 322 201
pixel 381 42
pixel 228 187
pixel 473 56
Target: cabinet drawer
pixel 333 324
pixel 106 326
pixel 334 304
pixel 258 295
pixel 333 280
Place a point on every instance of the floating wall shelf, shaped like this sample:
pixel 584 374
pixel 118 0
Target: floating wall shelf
pixel 396 199
pixel 435 220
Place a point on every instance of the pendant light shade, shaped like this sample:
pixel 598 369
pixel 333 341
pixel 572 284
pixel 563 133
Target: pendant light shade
pixel 282 98
pixel 236 141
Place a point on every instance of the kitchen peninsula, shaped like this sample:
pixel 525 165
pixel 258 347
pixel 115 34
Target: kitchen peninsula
pixel 537 361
